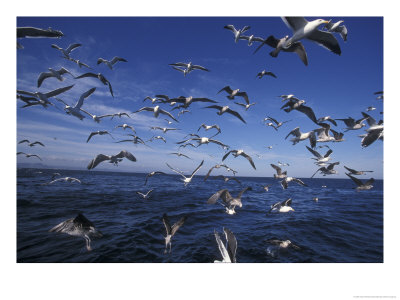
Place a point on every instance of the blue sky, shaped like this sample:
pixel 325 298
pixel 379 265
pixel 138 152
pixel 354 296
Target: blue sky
pixel 339 86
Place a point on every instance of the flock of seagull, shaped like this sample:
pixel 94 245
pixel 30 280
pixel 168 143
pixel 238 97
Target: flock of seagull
pixel 302 29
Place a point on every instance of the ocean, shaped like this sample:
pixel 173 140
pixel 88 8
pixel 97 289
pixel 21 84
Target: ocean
pixel 344 226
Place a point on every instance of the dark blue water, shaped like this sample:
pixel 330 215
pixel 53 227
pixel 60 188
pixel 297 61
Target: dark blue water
pixel 343 226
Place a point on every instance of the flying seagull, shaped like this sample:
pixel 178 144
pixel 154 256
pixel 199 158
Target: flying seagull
pixel 336 27
pixel 282 207
pixel 156 110
pixel 353 124
pixel 187 101
pixel 204 140
pixel 125 126
pixel 217 166
pixel 299 106
pixel 287 179
pixel 229 202
pixel 43 98
pixel 64 179
pixel 327 170
pixel 309 30
pixel 264 72
pixel 186 68
pixel 66 52
pixel 180 154
pixel 299 136
pixel 279 173
pixel 53 73
pixel 236 153
pixel 76 110
pixel 246 106
pixel 251 39
pixel 278 124
pixel 171 230
pixel 114 159
pixel 228 251
pixel 112 62
pixel 145 196
pixel 233 93
pixel 33 32
pixel 151 174
pixel 237 33
pixel 157 137
pixel 163 129
pixel 186 180
pixel 355 172
pixel 278 45
pixel 327 118
pixel 226 179
pixel 360 185
pixel 29 155
pixel 100 77
pixel 78 226
pixel 31 144
pixel 78 62
pixel 99 132
pixel 136 140
pixel 319 158
pixel 224 109
pixel 208 127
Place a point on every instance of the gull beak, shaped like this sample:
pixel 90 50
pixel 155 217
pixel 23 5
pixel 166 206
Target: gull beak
pixel 325 22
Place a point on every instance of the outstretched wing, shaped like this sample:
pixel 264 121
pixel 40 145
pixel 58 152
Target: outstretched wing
pixel 236 114
pixel 166 223
pixel 278 169
pixel 325 39
pixel 315 153
pixel 213 199
pixel 168 114
pixel 222 249
pixel 356 180
pixel 308 112
pixel 177 225
pixel 249 159
pixel 98 159
pixel 194 172
pixel 232 244
pixel 227 89
pixel 295 23
pixel 126 154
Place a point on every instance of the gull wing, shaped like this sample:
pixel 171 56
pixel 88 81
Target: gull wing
pixel 37 32
pixel 278 169
pixel 271 74
pixel 276 205
pixel 271 41
pixel 116 59
pixel 350 170
pixel 72 47
pixel 242 191
pixel 179 64
pixel 308 111
pixel 200 68
pixel 295 132
pixel 356 180
pixel 326 40
pixel 232 244
pixel 177 225
pixel 295 23
pixel 203 100
pixel 328 153
pixel 227 89
pixel 227 153
pixel 370 120
pixel 322 168
pixel 213 199
pixel 313 139
pixel 299 181
pixel 332 165
pixel 38 143
pixel 90 136
pixel 178 69
pixel 222 249
pixel 315 153
pixel 89 74
pixel 23 141
pixel 166 223
pixel 126 154
pixel 83 97
pixel 249 159
pixel 231 28
pixel 371 137
pixel 176 171
pixel 287 202
pixel 64 227
pixel 43 76
pixel 244 95
pixel 56 47
pixel 370 181
pixel 217 142
pixel 145 109
pixel 168 114
pixel 194 172
pixel 208 173
pixel 58 91
pixel 98 159
pixel 300 51
pixel 141 194
pixel 236 114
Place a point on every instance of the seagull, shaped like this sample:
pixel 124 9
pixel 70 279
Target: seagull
pixel 380 95
pixel 168 121
pixel 287 179
pixel 180 154
pixel 145 196
pixel 136 140
pixel 186 101
pixel 125 126
pixel 337 136
pixel 78 62
pixel 226 179
pixel 151 174
pixel 76 110
pixel 266 187
pixel 372 122
pixel 278 245
pixel 362 186
pixel 327 118
pixel 309 29
pixel 153 100
pixel 229 202
pixel 246 106
pixel 43 98
pixel 319 158
pixel 208 127
pixel 233 93
pixel 299 106
pixel 299 136
pixel 171 230
pixel 282 207
pixel 64 179
pixel 100 77
pixel 264 72
pixel 283 164
pixel 204 140
pixel 323 133
pixel 371 136
pixel 114 159
pixel 370 108
pixel 228 251
pixel 278 124
pixel 251 39
pixel 53 73
pixel 164 129
pixel 279 173
pixel 237 33
pixel 236 153
pixel 336 27
pixel 223 109
pixel 355 172
pixel 186 180
pixel 327 170
pixel 31 144
pixel 158 137
pixel 156 110
pixel 67 51
pixel 293 103
pixel 29 155
pixel 353 124
pixel 217 166
pixel 278 45
pixel 78 226
pixel 187 144
pixel 187 67
pixel 111 63
pixel 99 132
pixel 33 32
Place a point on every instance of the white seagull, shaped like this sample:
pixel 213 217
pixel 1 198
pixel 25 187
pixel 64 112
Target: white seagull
pixel 279 173
pixel 360 185
pixel 76 110
pixel 171 230
pixel 299 136
pixel 114 159
pixel 237 33
pixel 226 109
pixel 67 51
pixel 156 110
pixel 53 73
pixel 228 251
pixel 64 179
pixel 229 202
pixel 240 152
pixel 286 180
pixel 99 132
pixel 31 144
pixel 186 180
pixel 187 67
pixel 319 158
pixel 282 207
pixel 145 196
pixel 43 98
pixel 112 62
pixel 327 170
pixel 336 27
